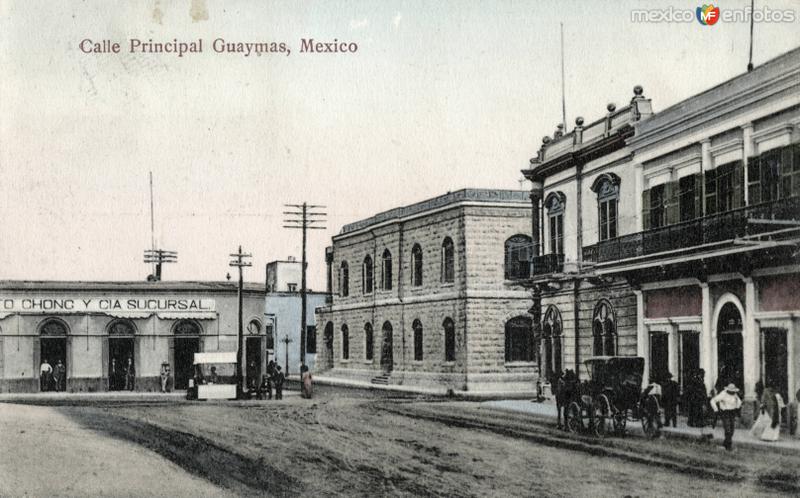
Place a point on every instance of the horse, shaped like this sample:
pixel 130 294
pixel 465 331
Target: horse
pixel 566 388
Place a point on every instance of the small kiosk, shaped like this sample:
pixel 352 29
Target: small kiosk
pixel 215 375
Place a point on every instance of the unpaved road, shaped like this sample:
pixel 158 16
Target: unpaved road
pixel 45 453
pixel 341 445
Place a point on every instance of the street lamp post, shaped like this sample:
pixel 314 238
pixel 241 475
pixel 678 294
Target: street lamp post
pixel 239 261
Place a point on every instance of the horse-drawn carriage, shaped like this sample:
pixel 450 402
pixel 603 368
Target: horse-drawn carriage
pixel 610 397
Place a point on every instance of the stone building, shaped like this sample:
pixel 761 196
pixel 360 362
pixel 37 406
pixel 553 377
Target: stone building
pixel 680 240
pixel 427 295
pixel 95 328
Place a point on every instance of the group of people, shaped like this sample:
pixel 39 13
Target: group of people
pixel 52 378
pixel 121 377
pixel 273 377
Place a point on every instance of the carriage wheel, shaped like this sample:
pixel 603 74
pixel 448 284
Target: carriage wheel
pixel 650 414
pixel 620 420
pixel 573 418
pixel 602 416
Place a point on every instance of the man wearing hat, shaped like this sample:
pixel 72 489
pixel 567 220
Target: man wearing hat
pixel 727 404
pixel 670 392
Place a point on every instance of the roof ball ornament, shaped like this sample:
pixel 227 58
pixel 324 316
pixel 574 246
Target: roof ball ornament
pixel 579 121
pixel 545 140
pixel 559 130
pixel 611 107
pixel 638 90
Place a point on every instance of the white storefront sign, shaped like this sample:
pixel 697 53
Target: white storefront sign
pixel 105 305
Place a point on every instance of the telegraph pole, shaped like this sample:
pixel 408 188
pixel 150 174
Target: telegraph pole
pixel 304 217
pixel 239 261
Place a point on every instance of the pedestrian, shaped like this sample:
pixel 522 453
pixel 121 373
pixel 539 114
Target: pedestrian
pixel 305 378
pixel 60 376
pixel 653 389
pixel 45 376
pixel 770 416
pixel 130 375
pixel 270 378
pixel 279 379
pixel 113 375
pixel 727 404
pixel 165 371
pixel 670 394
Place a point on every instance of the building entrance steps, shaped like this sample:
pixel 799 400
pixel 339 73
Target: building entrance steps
pixel 741 436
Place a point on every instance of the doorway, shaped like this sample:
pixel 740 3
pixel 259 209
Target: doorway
pixel 387 351
pixel 775 360
pixel 185 348
pixel 659 355
pixel 54 350
pixel 120 349
pixel 690 356
pixel 253 361
pixel 730 353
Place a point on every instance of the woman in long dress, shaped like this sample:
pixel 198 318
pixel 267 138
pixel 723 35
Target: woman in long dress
pixel 306 380
pixel 767 426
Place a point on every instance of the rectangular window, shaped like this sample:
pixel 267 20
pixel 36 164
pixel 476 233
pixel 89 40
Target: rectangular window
pixel 657 206
pixel 311 339
pixel 711 191
pixel 608 219
pixel 686 198
pixel 725 190
pixel 557 234
pixel 770 175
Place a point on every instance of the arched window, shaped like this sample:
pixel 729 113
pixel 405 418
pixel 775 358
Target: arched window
pixel 121 328
pixel 366 276
pixel 345 343
pixel 518 257
pixel 416 265
pixel 386 270
pixel 449 339
pixel 606 186
pixel 519 339
pixel 53 327
pixel 254 327
pixel 417 327
pixel 186 327
pixel 554 203
pixel 344 280
pixel 369 342
pixel 448 260
pixel 551 336
pixel 604 329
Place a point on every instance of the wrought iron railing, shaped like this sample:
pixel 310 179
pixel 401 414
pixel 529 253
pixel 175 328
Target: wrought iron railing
pixel 709 229
pixel 547 263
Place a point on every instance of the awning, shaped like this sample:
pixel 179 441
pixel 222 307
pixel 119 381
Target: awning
pixel 184 315
pixel 215 357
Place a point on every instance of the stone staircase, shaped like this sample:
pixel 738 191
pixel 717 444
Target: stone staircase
pixel 382 379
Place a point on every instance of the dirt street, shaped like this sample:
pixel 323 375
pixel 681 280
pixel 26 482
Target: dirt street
pixel 341 445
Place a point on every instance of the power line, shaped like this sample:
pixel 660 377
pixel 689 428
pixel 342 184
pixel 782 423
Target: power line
pixel 304 217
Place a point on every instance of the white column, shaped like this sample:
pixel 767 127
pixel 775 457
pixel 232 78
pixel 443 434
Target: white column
pixel 642 336
pixel 639 186
pixel 752 366
pixel 747 139
pixel 672 345
pixel 707 356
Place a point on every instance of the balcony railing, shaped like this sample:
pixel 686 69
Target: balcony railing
pixel 547 263
pixel 714 228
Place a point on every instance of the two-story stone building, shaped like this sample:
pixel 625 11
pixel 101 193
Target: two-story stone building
pixel 675 235
pixel 426 295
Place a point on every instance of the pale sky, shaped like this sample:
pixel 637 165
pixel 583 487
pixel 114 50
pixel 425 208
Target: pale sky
pixel 441 95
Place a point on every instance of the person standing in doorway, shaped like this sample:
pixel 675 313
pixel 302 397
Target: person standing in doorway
pixel 279 379
pixel 130 375
pixel 727 405
pixel 670 392
pixel 165 371
pixel 270 378
pixel 45 376
pixel 113 375
pixel 60 376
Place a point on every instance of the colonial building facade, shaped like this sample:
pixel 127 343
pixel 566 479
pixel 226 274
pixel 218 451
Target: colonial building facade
pixel 427 295
pixel 95 328
pixel 675 235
